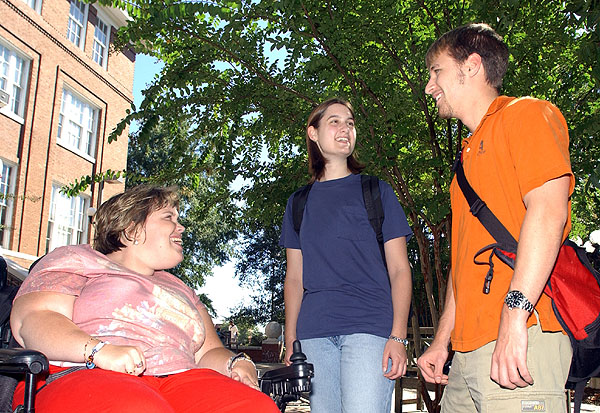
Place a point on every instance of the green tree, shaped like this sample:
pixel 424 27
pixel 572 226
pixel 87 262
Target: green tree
pixel 245 74
pixel 260 265
pixel 205 209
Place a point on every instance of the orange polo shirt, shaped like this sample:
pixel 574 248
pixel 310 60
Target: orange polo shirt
pixel 519 145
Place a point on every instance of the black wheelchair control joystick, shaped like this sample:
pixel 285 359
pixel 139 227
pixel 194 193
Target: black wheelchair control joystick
pixel 287 384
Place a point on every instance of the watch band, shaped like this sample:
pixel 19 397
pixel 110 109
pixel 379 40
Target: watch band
pixel 516 299
pixel 399 340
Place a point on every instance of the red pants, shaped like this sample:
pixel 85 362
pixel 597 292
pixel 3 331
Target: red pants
pixel 198 390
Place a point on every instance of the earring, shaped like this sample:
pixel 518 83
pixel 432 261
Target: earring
pixel 135 242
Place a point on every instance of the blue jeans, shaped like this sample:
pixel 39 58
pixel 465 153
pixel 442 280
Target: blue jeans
pixel 348 374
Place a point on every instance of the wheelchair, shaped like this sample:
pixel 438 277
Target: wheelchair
pixel 283 384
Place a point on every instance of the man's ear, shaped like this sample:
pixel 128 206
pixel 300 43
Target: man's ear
pixel 312 133
pixel 473 64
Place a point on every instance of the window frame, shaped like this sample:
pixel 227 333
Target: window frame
pixel 63 138
pixel 35 5
pixel 7 200
pixel 12 109
pixel 77 215
pixel 82 24
pixel 100 19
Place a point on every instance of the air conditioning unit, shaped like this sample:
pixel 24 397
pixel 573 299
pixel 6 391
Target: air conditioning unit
pixel 4 98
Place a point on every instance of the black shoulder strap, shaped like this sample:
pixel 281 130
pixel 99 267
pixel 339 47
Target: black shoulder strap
pixel 298 204
pixel 481 211
pixel 372 200
pixel 374 207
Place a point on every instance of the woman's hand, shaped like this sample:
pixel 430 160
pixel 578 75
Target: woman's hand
pixel 245 372
pixel 124 359
pixel 396 352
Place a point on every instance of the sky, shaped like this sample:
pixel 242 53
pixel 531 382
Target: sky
pixel 222 288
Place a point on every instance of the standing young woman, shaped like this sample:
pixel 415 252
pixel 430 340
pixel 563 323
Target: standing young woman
pixel 348 310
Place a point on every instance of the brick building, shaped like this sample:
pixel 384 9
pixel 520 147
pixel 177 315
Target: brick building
pixel 62 91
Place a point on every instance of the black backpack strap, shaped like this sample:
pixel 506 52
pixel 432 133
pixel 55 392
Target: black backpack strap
pixel 298 204
pixel 374 207
pixel 481 211
pixel 578 396
pixel 505 242
pixel 372 200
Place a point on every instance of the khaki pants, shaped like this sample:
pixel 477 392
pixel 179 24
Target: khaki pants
pixel 470 388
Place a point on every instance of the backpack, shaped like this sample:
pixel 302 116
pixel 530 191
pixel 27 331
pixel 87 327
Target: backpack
pixel 573 286
pixel 373 205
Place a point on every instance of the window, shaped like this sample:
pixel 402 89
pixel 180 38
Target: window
pixel 13 79
pixel 77 124
pixel 100 43
pixel 6 202
pixel 76 25
pixel 67 223
pixel 35 5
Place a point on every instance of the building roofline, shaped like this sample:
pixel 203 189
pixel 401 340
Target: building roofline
pixel 120 17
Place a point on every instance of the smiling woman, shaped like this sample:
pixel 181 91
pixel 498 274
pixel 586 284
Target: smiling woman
pixel 139 338
pixel 347 306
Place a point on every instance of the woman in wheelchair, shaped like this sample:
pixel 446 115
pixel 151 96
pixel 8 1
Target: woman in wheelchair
pixel 122 334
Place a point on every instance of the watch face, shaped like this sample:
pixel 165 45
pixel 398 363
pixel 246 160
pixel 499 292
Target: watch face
pixel 516 299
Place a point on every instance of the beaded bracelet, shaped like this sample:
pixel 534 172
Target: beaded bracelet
pixel 234 359
pixel 85 347
pixel 399 340
pixel 89 361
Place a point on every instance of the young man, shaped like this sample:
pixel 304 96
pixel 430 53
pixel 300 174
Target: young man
pixel 511 354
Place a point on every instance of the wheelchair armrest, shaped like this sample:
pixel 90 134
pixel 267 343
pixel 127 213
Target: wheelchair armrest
pixel 23 361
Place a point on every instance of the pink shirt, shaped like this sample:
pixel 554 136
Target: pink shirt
pixel 158 313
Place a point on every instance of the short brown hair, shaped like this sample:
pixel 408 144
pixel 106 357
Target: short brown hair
pixel 316 161
pixel 478 38
pixel 115 217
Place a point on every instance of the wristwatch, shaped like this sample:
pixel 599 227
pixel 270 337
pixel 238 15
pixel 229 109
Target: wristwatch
pixel 516 299
pixel 399 340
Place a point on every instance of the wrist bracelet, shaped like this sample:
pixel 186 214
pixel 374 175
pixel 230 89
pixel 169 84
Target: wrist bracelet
pixel 85 347
pixel 399 340
pixel 89 361
pixel 234 359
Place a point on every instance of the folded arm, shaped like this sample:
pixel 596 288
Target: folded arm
pixel 42 321
pixel 212 355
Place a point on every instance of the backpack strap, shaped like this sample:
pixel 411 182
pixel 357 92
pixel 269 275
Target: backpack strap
pixel 298 204
pixel 505 246
pixel 371 198
pixel 374 207
pixel 481 211
pixel 578 396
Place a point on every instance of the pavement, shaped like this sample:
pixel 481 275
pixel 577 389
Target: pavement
pixel 303 406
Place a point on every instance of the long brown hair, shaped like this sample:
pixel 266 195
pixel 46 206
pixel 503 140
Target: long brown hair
pixel 316 160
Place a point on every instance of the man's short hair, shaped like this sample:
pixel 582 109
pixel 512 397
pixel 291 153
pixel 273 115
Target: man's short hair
pixel 471 38
pixel 122 214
